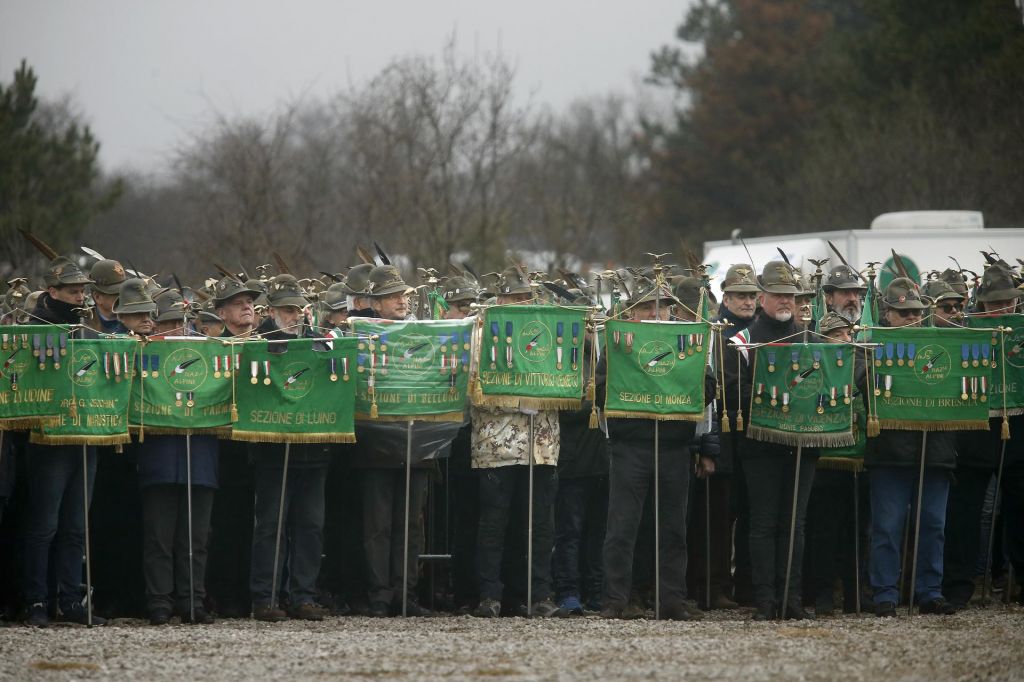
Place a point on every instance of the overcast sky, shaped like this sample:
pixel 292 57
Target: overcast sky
pixel 146 71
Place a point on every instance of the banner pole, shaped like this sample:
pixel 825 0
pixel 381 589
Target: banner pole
pixel 529 526
pixel 707 540
pixel 88 551
pixel 657 527
pixel 188 505
pixel 856 540
pixel 405 537
pixel 792 531
pixel 280 522
pixel 903 554
pixel 987 581
pixel 917 521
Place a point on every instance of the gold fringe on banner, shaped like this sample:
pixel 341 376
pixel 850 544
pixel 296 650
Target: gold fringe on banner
pixel 441 417
pixel 807 440
pixel 261 437
pixel 516 402
pixel 851 464
pixel 114 439
pixel 629 414
pixel 921 425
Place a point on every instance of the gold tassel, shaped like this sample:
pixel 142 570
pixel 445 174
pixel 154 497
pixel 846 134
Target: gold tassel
pixel 726 428
pixel 142 435
pixel 72 408
pixel 591 391
pixel 595 421
pixel 234 412
pixel 739 420
pixel 118 449
pixel 873 427
pixel 1004 431
pixel 373 409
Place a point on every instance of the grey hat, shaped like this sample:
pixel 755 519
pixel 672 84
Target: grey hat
pixel 64 272
pixel 777 278
pixel 511 281
pixel 170 306
pixel 107 276
pixel 997 284
pixel 335 298
pixel 357 279
pixel 936 290
pixel 645 291
pixel 386 280
pixel 740 279
pixel 902 294
pixel 955 279
pixel 228 287
pixel 687 290
pixel 456 289
pixel 133 297
pixel 842 277
pixel 284 291
pixel 833 320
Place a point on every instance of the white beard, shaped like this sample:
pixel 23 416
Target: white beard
pixel 784 315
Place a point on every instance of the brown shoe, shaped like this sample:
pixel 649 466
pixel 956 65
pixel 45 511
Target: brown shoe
pixel 269 614
pixel 721 601
pixel 307 611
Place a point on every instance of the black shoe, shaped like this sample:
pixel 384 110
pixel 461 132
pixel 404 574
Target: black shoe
pixel 76 613
pixel 488 608
pixel 765 611
pixel 203 616
pixel 37 616
pixel 628 612
pixel 379 609
pixel 795 611
pixel 545 608
pixel 160 616
pixel 937 606
pixel 680 611
pixel 885 609
pixel 414 609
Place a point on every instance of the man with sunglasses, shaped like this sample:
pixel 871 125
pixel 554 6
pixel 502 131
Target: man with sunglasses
pixel 948 304
pixel 892 461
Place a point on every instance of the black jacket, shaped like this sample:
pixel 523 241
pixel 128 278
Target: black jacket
pixel 49 309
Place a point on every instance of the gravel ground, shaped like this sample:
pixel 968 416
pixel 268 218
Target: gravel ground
pixel 978 644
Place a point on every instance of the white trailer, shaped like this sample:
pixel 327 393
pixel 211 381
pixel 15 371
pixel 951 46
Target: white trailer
pixel 924 239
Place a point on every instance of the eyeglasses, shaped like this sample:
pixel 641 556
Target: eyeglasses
pixel 908 313
pixel 952 308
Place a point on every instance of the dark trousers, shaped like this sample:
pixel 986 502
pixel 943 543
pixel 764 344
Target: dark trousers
pixel 465 501
pixel 829 547
pixel 302 534
pixel 383 492
pixel 720 487
pixel 55 517
pixel 231 529
pixel 743 590
pixel 770 490
pixel 630 483
pixel 501 490
pixel 581 514
pixel 1012 502
pixel 963 532
pixel 165 556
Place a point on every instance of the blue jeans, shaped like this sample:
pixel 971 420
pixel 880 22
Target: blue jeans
pixel 55 515
pixel 581 512
pixel 893 490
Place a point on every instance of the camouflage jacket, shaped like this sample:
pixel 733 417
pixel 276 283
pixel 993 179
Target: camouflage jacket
pixel 501 437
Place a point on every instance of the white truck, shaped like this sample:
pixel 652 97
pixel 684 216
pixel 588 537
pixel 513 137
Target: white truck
pixel 925 240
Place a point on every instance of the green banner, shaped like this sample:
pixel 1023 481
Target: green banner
pixel 412 369
pixel 531 356
pixel 803 394
pixel 851 457
pixel 97 386
pixel 656 369
pixel 930 379
pixel 299 391
pixel 1005 361
pixel 31 383
pixel 184 385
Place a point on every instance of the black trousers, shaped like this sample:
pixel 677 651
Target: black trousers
pixel 302 534
pixel 829 545
pixel 630 483
pixel 963 532
pixel 165 558
pixel 720 488
pixel 465 504
pixel 743 590
pixel 770 490
pixel 383 493
pixel 1013 517
pixel 231 522
pixel 581 513
pixel 502 491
